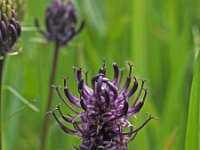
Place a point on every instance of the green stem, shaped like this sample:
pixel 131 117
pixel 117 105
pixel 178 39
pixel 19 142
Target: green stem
pixel 45 128
pixel 1 74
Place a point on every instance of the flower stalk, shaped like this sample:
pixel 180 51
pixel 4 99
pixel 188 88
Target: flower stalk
pixel 61 24
pixel 10 31
pixel 1 76
pixel 50 97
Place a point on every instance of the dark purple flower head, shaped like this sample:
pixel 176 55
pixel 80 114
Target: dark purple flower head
pixel 10 28
pixel 61 22
pixel 106 107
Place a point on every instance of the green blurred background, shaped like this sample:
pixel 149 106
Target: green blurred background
pixel 159 37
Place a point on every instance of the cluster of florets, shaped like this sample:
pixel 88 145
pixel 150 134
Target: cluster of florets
pixel 61 22
pixel 106 108
pixel 10 28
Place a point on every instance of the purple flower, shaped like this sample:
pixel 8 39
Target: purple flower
pixel 105 109
pixel 61 22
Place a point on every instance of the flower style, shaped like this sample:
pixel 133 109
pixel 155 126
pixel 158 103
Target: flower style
pixel 61 22
pixel 106 108
pixel 10 28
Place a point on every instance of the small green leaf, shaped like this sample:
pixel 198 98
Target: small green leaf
pixel 192 135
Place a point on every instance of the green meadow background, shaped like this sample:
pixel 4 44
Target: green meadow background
pixel 162 39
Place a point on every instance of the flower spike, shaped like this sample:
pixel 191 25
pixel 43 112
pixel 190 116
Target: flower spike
pixel 106 108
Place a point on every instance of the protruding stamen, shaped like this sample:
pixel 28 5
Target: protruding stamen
pixel 137 98
pixel 133 89
pixel 121 70
pixel 130 70
pixel 139 128
pixel 77 128
pixel 80 85
pixel 86 77
pixel 66 103
pixel 79 75
pixel 126 85
pixel 63 127
pixel 136 108
pixel 69 95
pixel 116 73
pixel 70 120
pixel 103 69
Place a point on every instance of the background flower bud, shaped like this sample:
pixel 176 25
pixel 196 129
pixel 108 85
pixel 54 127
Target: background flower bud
pixel 61 22
pixel 10 28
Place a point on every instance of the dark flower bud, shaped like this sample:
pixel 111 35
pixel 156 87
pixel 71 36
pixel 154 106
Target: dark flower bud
pixel 10 28
pixel 106 108
pixel 61 22
pixel 20 6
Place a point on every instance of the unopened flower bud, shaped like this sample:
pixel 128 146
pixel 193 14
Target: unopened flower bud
pixel 10 28
pixel 61 22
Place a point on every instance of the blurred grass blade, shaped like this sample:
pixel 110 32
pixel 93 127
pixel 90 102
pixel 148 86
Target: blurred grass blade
pixel 21 98
pixel 15 113
pixel 192 135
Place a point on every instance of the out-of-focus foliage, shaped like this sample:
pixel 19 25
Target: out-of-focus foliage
pixel 159 37
pixel 192 136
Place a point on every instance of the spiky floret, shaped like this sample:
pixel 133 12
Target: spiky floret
pixel 61 22
pixel 10 28
pixel 106 109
